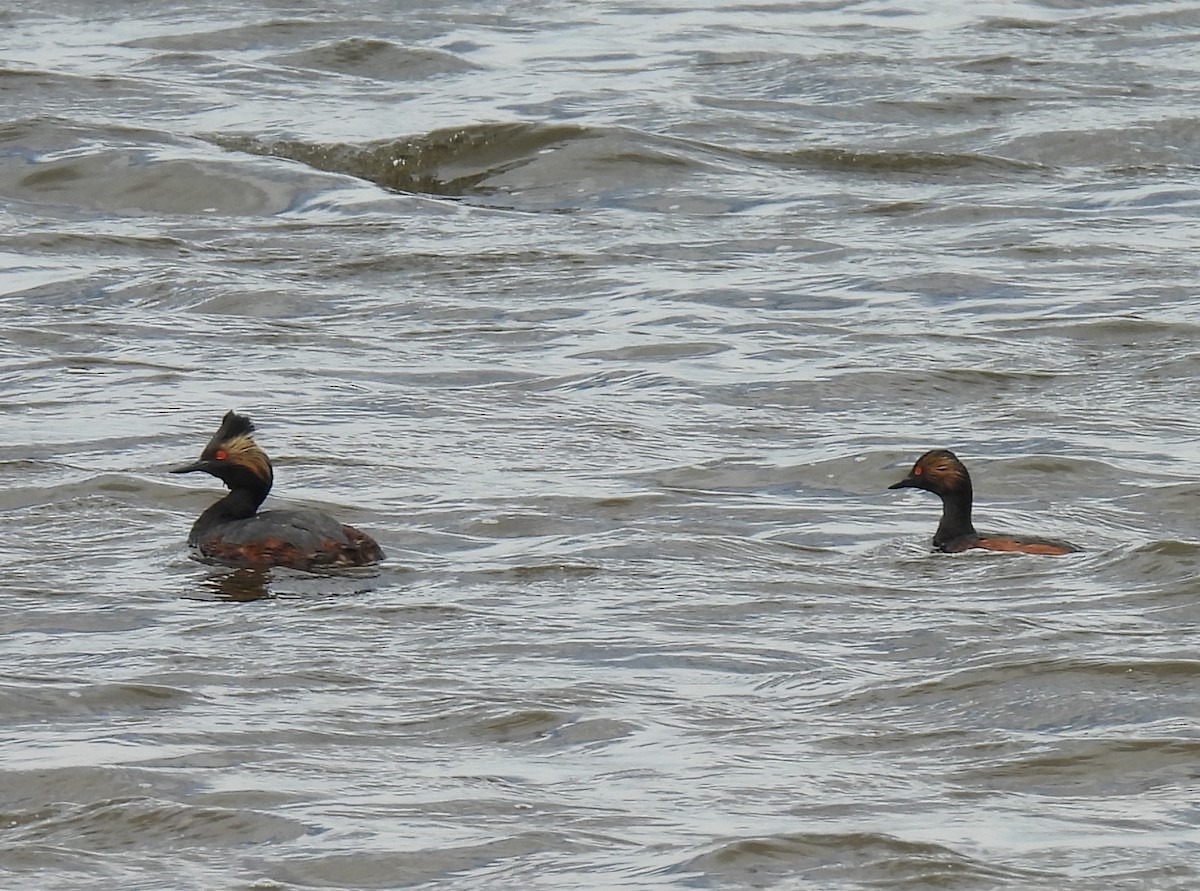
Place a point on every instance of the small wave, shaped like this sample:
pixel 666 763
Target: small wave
pixel 378 869
pixel 128 170
pixel 872 858
pixel 445 162
pixel 377 60
pixel 140 823
pixel 270 33
pixel 518 165
pixel 874 163
pixel 1032 694
pixel 73 701
pixel 1097 768
pixel 554 727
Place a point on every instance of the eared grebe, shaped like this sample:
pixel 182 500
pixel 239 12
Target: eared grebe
pixel 233 532
pixel 940 472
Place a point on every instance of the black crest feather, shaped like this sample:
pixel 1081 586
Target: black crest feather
pixel 233 425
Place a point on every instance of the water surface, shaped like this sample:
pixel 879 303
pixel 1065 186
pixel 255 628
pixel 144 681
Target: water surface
pixel 612 322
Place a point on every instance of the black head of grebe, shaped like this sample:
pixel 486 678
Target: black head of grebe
pixel 232 531
pixel 939 471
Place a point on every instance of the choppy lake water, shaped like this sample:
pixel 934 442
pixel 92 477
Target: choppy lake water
pixel 612 322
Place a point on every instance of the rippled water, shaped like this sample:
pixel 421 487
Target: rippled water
pixel 612 322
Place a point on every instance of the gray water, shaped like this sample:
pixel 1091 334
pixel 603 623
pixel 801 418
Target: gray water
pixel 612 322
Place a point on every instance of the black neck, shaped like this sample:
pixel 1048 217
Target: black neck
pixel 956 516
pixel 237 505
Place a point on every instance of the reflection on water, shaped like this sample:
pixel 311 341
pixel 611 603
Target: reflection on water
pixel 238 585
pixel 613 324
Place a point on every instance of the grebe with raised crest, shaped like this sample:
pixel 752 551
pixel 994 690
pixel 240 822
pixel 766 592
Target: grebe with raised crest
pixel 232 531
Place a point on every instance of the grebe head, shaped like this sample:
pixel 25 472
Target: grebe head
pixel 233 457
pixel 938 471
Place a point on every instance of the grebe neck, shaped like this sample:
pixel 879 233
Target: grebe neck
pixel 956 515
pixel 239 504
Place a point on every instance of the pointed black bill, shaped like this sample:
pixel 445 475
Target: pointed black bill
pixel 190 468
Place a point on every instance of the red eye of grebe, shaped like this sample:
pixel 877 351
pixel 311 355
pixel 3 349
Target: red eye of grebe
pixel 917 471
pixel 219 454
